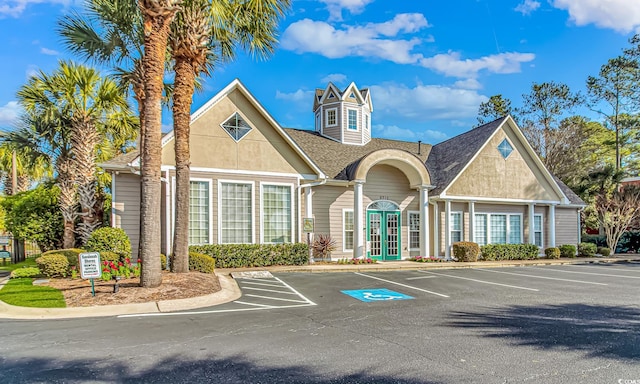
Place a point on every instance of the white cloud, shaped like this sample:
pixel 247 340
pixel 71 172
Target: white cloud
pixel 428 136
pixel 468 84
pixel 335 7
pixel 9 114
pixel 336 78
pixel 50 52
pixel 377 40
pixel 371 40
pixel 297 96
pixel 451 63
pixel 425 102
pixel 620 15
pixel 527 7
pixel 14 8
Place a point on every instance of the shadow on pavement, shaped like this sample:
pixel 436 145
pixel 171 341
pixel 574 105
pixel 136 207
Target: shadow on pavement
pixel 596 330
pixel 176 369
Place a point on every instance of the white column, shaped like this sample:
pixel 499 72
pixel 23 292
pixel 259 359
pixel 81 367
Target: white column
pixel 472 214
pixel 447 229
pixel 436 230
pixel 308 203
pixel 532 234
pixel 552 226
pixel 358 220
pixel 168 223
pixel 424 221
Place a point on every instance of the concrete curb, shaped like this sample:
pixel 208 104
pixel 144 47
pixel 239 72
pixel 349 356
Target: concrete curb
pixel 229 291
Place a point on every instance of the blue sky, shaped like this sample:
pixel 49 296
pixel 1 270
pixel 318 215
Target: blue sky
pixel 429 64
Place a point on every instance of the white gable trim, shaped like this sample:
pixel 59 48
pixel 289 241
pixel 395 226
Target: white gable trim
pixel 331 88
pixel 236 84
pixel 352 87
pixel 514 127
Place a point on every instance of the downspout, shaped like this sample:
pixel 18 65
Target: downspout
pixel 113 199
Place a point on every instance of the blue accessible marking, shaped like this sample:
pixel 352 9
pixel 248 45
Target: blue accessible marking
pixel 370 295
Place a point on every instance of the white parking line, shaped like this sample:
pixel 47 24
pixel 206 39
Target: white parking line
pixel 274 298
pixel 269 290
pixel 400 284
pixel 419 277
pixel 632 270
pixel 538 277
pixel 482 281
pixel 215 311
pixel 261 284
pixel 591 273
pixel 254 304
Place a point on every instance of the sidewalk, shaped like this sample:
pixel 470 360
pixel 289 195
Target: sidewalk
pixel 231 292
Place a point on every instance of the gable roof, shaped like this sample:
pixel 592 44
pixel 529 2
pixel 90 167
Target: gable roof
pixel 449 158
pixel 336 160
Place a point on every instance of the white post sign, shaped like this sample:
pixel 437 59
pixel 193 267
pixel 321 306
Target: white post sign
pixel 90 265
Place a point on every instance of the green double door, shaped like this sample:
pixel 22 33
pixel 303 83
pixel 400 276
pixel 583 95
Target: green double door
pixel 383 235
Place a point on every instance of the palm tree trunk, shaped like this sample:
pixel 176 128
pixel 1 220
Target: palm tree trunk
pixel 84 138
pixel 67 200
pixel 157 20
pixel 182 98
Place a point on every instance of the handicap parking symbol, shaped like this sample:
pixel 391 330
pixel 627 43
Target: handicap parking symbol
pixel 371 295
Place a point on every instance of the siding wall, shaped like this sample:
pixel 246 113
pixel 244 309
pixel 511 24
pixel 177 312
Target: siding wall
pixel 566 226
pixel 126 206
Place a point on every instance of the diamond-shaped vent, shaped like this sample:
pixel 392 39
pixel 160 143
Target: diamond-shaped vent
pixel 236 127
pixel 505 148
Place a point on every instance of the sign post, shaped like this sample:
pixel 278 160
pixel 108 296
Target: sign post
pixel 90 267
pixel 308 228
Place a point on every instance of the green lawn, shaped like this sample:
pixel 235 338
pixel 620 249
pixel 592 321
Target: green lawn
pixel 29 262
pixel 22 292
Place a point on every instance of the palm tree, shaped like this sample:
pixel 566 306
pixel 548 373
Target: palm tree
pixel 157 18
pixel 90 104
pixel 28 169
pixel 203 33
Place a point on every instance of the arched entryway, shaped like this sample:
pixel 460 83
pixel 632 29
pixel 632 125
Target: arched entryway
pixel 383 230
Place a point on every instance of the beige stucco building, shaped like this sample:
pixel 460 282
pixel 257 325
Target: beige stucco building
pixel 255 182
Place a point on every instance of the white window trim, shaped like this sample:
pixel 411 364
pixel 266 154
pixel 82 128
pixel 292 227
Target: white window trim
pixel 293 209
pixel 541 229
pixel 347 122
pixel 344 243
pixel 409 213
pixel 253 208
pixel 326 117
pixel 508 224
pixel 243 118
pixel 451 230
pixel 173 206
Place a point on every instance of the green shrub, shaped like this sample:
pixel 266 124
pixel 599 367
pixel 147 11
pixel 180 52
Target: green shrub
pixel 109 257
pixel 509 252
pixel 53 265
pixel 604 251
pixel 110 239
pixel 567 250
pixel 201 263
pixel 587 249
pixel 25 272
pixel 552 253
pixel 163 261
pixel 254 255
pixel 466 251
pixel 71 254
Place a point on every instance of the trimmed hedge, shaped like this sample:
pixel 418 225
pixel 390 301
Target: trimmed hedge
pixel 53 265
pixel 254 255
pixel 466 251
pixel 509 252
pixel 552 253
pixel 109 256
pixel 110 239
pixel 71 254
pixel 604 251
pixel 201 263
pixel 567 250
pixel 587 249
pixel 25 272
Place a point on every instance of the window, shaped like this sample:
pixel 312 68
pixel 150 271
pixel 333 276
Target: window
pixel 276 213
pixel 236 127
pixel 537 230
pixel 497 228
pixel 353 120
pixel 366 122
pixel 332 117
pixel 347 225
pixel 199 212
pixel 456 226
pixel 480 229
pixel 318 121
pixel 414 230
pixel 505 148
pixel 236 208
